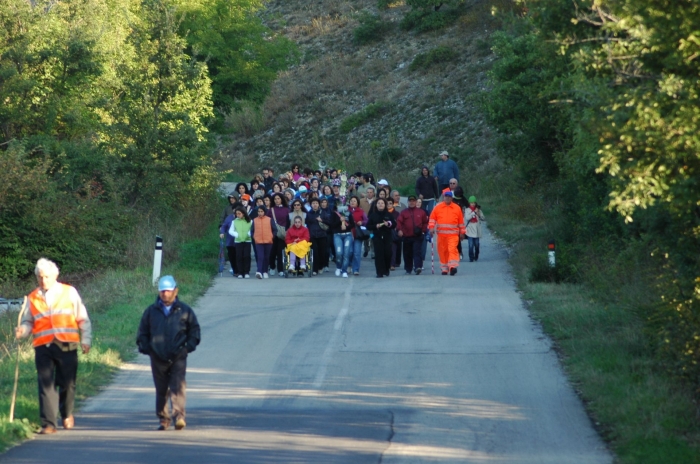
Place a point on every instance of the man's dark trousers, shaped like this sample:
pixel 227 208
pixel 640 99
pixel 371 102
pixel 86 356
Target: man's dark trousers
pixel 412 253
pixel 55 368
pixel 169 379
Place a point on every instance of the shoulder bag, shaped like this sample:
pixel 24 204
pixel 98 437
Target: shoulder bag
pixel 281 231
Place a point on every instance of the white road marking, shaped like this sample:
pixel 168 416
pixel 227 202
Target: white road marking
pixel 328 352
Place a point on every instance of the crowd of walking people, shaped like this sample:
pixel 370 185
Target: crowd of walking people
pixel 308 220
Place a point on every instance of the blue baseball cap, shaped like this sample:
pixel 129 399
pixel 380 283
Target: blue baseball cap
pixel 167 283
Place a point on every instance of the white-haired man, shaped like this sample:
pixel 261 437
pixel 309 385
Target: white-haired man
pixel 59 323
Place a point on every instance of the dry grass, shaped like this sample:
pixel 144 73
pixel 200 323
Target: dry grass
pixel 249 120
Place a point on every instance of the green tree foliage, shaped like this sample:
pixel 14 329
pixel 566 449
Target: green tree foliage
pixel 243 55
pixel 607 93
pixel 105 115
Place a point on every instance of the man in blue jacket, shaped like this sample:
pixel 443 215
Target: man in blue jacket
pixel 168 332
pixel 445 169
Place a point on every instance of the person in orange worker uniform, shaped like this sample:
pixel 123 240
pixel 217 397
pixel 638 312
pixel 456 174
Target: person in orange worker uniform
pixel 447 221
pixel 59 323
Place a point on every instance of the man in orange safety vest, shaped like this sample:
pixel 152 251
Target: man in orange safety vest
pixel 59 323
pixel 447 221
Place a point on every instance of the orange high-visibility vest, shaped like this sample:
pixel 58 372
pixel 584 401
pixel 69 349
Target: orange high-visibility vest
pixel 263 230
pixel 56 322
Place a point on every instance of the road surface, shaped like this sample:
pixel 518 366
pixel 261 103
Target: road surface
pixel 405 369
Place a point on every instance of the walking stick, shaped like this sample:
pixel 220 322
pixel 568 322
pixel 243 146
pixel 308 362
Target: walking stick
pixel 432 253
pixel 222 258
pixel 14 388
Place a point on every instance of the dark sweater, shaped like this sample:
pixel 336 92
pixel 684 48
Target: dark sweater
pixel 336 224
pixel 377 217
pixel 427 186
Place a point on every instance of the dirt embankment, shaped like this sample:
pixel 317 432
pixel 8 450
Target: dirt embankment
pixel 382 106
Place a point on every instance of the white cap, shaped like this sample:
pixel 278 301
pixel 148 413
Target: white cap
pixel 383 182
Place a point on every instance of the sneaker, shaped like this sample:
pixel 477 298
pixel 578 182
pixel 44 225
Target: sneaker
pixel 408 272
pixel 357 273
pixel 265 276
pixel 392 268
pixel 247 276
pixel 453 271
pixel 366 252
pixel 258 275
pixel 281 274
pixel 180 423
pixel 345 274
pixel 419 270
pixel 231 271
pixel 325 269
pixel 272 272
pixel 164 425
pixel 444 273
pixel 372 255
pixel 240 276
pixel 302 267
pixel 337 272
pixel 314 273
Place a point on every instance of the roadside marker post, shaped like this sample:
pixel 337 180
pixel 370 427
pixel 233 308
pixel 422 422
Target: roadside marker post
pixel 551 247
pixel 157 259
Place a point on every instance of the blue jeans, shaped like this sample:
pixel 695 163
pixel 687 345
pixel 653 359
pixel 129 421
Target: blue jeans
pixel 473 248
pixel 343 250
pixel 356 255
pixel 428 206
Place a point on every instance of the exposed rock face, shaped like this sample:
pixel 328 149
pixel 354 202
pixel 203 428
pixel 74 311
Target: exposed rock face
pixel 401 118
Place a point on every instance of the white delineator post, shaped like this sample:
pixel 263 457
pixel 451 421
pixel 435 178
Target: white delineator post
pixel 552 257
pixel 157 259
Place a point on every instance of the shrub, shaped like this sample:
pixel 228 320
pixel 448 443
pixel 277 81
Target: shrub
pixel 371 29
pixel 391 154
pixel 541 271
pixel 441 54
pixel 363 116
pixel 428 15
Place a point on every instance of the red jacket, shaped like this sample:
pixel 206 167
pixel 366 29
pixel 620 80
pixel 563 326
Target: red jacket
pixel 410 217
pixel 302 233
pixel 358 214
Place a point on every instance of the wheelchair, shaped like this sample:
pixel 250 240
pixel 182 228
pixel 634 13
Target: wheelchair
pixel 298 272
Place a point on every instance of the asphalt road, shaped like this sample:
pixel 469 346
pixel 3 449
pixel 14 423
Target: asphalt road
pixel 329 370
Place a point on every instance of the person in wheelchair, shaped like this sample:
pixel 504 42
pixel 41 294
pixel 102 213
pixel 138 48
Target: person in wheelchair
pixel 298 245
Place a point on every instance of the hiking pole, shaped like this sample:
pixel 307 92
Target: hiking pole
pixel 222 259
pixel 432 253
pixel 14 388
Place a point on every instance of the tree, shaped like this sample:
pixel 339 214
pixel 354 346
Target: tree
pixel 243 55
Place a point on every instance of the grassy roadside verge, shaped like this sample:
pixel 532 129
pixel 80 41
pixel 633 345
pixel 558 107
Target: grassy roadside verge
pixel 600 329
pixel 115 301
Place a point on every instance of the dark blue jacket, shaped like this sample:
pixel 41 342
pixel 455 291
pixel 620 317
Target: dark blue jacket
pixel 168 337
pixel 315 230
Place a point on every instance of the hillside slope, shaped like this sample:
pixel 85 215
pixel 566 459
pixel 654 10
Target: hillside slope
pixel 403 117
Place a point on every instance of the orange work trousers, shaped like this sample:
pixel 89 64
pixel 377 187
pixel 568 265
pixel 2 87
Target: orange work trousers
pixel 447 250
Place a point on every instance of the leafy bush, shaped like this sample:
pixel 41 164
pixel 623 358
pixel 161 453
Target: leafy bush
pixel 366 114
pixel 391 154
pixel 437 55
pixel 371 29
pixel 429 15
